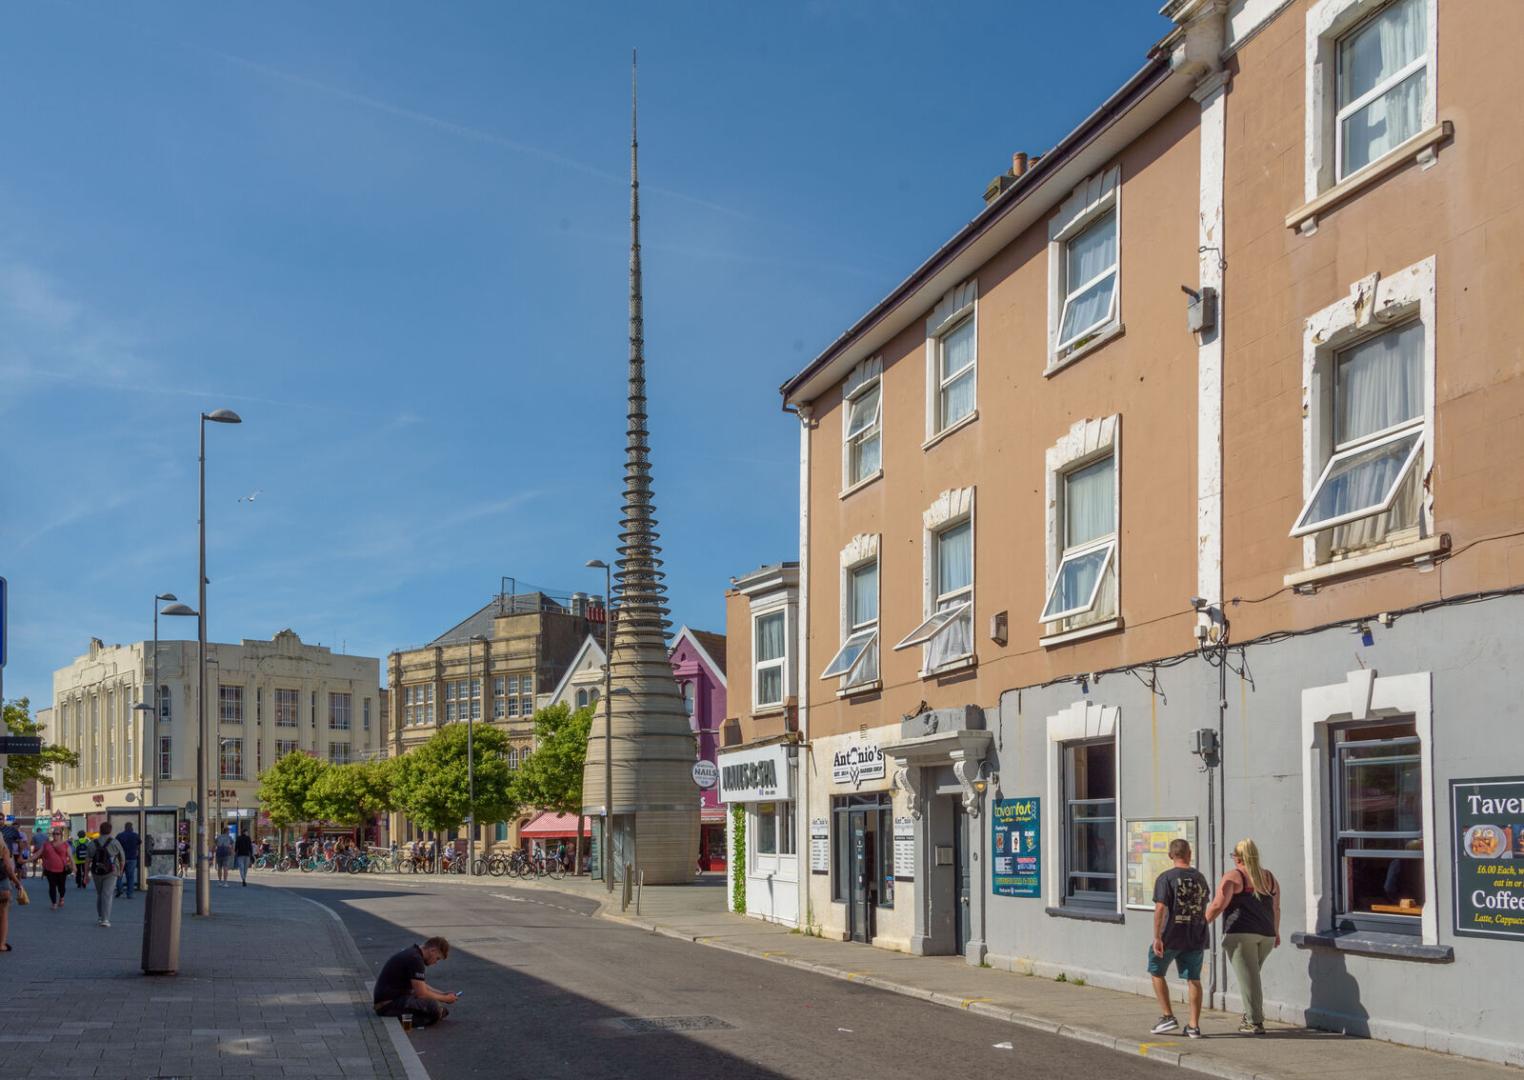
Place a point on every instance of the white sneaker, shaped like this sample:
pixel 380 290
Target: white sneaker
pixel 106 924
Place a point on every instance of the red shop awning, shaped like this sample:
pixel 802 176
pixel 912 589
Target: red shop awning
pixel 548 826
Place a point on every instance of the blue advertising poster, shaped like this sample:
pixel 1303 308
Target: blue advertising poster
pixel 1016 847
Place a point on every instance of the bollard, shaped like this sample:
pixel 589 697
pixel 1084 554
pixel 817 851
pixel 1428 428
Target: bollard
pixel 161 925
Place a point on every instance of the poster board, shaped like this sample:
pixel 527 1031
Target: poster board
pixel 1488 836
pixel 820 846
pixel 1016 847
pixel 1148 842
pixel 904 848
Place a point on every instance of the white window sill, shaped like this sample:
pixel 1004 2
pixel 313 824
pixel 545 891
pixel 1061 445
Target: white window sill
pixel 769 710
pixel 1100 338
pixel 945 432
pixel 1080 634
pixel 1402 553
pixel 864 482
pixel 951 668
pixel 861 688
pixel 1421 148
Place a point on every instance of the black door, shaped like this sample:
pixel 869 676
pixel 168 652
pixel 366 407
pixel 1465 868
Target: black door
pixel 862 866
pixel 961 847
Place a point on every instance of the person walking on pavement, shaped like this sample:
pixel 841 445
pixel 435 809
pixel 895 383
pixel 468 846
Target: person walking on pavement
pixel 224 855
pixel 9 880
pixel 106 862
pixel 81 858
pixel 1181 894
pixel 57 861
pixel 1251 929
pixel 401 986
pixel 243 855
pixel 132 847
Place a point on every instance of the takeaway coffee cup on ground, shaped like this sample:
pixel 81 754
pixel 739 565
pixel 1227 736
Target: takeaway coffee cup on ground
pixel 407 1021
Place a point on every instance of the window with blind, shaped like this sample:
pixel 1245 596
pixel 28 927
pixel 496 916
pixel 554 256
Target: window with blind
pixel 948 632
pixel 1381 83
pixel 856 662
pixel 1084 582
pixel 770 652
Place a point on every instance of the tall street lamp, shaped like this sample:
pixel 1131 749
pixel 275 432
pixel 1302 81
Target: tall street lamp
pixel 471 748
pixel 174 608
pixel 608 725
pixel 203 875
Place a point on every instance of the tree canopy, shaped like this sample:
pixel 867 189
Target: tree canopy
pixel 285 786
pixel 432 783
pixel 551 777
pixel 21 769
pixel 352 794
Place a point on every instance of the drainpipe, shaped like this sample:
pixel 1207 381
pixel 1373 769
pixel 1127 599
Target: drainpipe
pixel 801 676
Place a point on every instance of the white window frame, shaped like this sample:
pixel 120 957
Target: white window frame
pixel 1085 443
pixel 1095 197
pixel 226 753
pixel 1083 721
pixel 340 759
pixel 229 703
pixel 952 508
pixel 166 758
pixel 1374 304
pixel 1111 271
pixel 783 663
pixel 1329 21
pixel 1363 696
pixel 291 706
pixel 956 306
pixel 340 719
pixel 866 378
pixel 862 551
pixel 285 746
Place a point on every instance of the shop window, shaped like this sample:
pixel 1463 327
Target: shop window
pixel 1090 823
pixel 765 829
pixel 500 832
pixel 1378 838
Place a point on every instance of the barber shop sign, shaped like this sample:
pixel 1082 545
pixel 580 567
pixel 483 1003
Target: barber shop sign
pixel 857 762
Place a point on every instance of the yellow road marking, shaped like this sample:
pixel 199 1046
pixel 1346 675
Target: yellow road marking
pixel 1144 1048
pixel 969 1001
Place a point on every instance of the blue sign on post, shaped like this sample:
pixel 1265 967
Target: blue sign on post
pixel 1016 846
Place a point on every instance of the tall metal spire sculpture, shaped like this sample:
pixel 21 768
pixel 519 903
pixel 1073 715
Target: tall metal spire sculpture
pixel 654 802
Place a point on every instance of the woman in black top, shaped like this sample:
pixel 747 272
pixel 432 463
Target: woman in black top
pixel 1251 897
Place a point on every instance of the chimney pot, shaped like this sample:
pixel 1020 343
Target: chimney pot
pixel 1018 163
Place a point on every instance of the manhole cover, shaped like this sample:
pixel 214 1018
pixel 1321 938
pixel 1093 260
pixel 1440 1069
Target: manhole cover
pixel 651 1025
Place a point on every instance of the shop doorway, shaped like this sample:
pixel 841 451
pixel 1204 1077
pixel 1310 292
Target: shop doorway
pixel 863 876
pixel 860 910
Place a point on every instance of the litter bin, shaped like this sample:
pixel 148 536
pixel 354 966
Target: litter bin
pixel 161 925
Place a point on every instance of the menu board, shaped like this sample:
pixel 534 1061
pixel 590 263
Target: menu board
pixel 904 848
pixel 820 846
pixel 1148 855
pixel 1016 844
pixel 1489 856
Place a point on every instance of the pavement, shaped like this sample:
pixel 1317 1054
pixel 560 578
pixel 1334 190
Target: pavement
pixel 696 913
pixel 270 986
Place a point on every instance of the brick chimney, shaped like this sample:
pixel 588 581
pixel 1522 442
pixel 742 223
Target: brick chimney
pixel 1020 162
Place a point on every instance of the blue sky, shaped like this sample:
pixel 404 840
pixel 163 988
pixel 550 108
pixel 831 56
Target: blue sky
pixel 393 237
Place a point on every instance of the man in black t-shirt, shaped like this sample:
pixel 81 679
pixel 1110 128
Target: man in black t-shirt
pixel 1181 895
pixel 402 988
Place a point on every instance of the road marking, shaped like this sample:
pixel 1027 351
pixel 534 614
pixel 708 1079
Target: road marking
pixel 1004 1046
pixel 969 1001
pixel 1144 1048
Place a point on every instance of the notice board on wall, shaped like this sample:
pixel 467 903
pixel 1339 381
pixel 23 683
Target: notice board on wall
pixel 1148 841
pixel 1016 847
pixel 1488 824
pixel 820 846
pixel 904 848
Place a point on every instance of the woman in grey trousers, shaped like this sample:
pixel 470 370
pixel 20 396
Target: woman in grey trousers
pixel 1251 898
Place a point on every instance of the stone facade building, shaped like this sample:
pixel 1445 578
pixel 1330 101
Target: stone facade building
pixel 266 698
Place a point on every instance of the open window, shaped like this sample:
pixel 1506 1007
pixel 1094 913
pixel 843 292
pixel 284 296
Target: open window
pixel 1377 429
pixel 948 632
pixel 1090 280
pixel 1082 583
pixel 856 662
pixel 864 450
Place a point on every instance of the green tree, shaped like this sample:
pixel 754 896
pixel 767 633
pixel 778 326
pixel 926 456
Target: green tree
pixel 551 777
pixel 351 794
pixel 20 769
pixel 432 781
pixel 285 786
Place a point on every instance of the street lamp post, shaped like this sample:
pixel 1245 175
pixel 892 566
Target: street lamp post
pixel 608 725
pixel 471 748
pixel 203 875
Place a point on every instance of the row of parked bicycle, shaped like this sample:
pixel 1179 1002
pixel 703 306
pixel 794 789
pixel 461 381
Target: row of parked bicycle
pixel 497 864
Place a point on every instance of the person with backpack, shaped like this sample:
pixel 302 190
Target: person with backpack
pixel 243 855
pixel 81 858
pixel 106 862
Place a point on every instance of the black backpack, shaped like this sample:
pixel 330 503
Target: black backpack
pixel 100 859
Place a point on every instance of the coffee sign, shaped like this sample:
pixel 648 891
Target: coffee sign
pixel 858 762
pixel 1489 856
